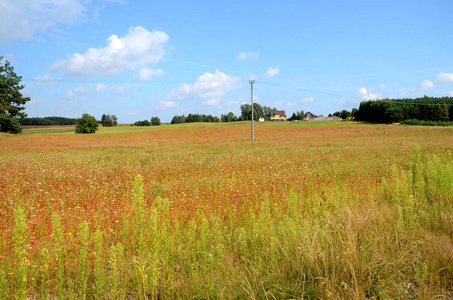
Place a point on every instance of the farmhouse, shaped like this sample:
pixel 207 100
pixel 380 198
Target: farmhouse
pixel 309 116
pixel 278 115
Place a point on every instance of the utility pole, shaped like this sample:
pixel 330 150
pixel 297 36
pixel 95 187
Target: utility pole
pixel 251 84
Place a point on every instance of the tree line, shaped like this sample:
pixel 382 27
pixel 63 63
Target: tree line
pixel 439 109
pixel 36 121
pixel 192 118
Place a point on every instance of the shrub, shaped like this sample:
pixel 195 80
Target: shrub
pixel 86 124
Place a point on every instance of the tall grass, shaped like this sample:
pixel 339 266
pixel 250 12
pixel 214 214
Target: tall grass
pixel 336 232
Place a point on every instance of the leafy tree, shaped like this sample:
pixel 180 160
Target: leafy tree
pixel 11 99
pixel 155 121
pixel 106 121
pixel 114 120
pixel 86 124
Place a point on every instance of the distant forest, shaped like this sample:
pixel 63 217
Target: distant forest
pixel 47 121
pixel 398 110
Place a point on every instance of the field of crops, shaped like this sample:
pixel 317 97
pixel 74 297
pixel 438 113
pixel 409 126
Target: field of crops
pixel 308 210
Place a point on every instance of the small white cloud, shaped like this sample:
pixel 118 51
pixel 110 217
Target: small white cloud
pixel 450 93
pixel 308 100
pixel 145 74
pixel 340 100
pixel 443 78
pixel 168 104
pixel 272 72
pixel 283 105
pixel 243 55
pixel 69 94
pixel 382 86
pixel 206 86
pixel 44 77
pixel 100 87
pixel 367 95
pixel 426 85
pixel 138 47
pixel 212 102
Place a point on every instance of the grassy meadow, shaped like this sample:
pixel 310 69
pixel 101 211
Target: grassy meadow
pixel 316 210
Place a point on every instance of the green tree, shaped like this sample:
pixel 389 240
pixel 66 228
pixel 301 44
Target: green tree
pixel 86 124
pixel 114 120
pixel 11 99
pixel 155 121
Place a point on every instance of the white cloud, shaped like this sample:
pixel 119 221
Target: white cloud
pixel 283 105
pixel 167 104
pixel 367 95
pixel 138 47
pixel 82 90
pixel 426 85
pixel 382 86
pixel 145 74
pixel 22 18
pixel 308 100
pixel 450 93
pixel 444 78
pixel 100 87
pixel 207 85
pixel 212 102
pixel 243 55
pixel 44 77
pixel 272 72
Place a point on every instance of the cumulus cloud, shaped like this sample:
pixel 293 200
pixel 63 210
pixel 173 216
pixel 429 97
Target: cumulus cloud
pixel 138 47
pixel 308 100
pixel 272 72
pixel 444 78
pixel 212 102
pixel 207 85
pixel 426 85
pixel 450 93
pixel 243 55
pixel 21 19
pixel 146 74
pixel 367 95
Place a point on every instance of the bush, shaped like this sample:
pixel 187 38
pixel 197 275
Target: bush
pixel 9 124
pixel 86 124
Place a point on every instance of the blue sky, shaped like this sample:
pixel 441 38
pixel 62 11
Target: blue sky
pixel 138 59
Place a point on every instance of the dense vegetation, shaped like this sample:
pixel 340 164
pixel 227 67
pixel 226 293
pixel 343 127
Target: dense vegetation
pixel 155 121
pixel 51 121
pixel 193 118
pixel 397 110
pixel 338 210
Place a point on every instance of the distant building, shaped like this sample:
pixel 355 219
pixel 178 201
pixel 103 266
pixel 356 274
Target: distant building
pixel 309 116
pixel 278 115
